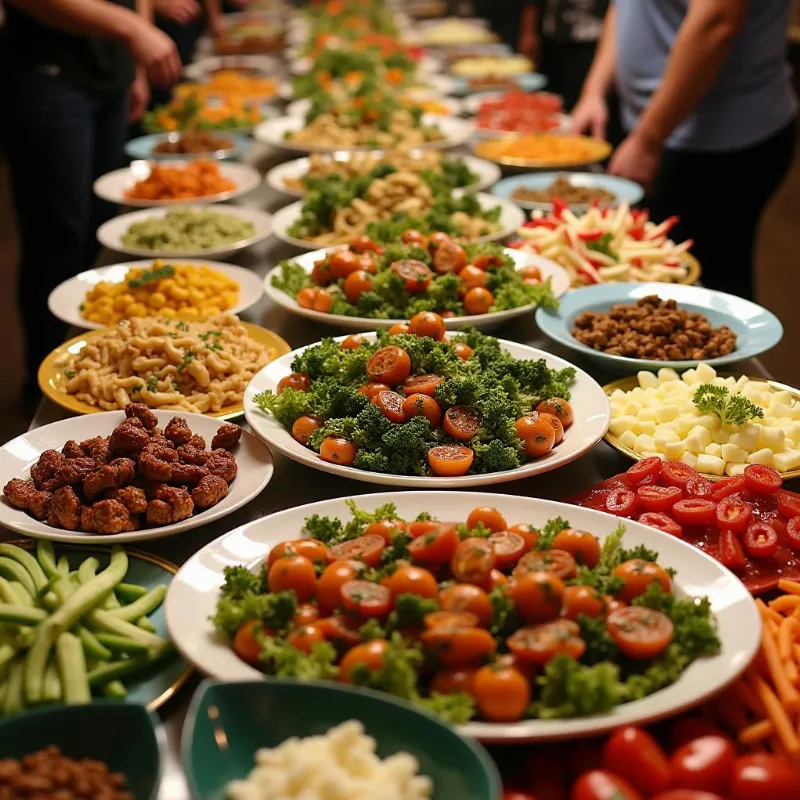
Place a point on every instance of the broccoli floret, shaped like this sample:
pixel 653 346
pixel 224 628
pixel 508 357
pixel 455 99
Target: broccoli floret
pixel 457 708
pixel 275 611
pixel 399 673
pixel 286 407
pixel 406 446
pixel 240 581
pixel 495 456
pixel 292 278
pixel 282 659
pixel 410 611
pixel 328 530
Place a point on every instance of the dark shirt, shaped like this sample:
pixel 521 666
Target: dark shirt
pixel 573 20
pixel 95 64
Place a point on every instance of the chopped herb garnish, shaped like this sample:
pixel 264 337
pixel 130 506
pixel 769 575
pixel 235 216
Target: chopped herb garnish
pixel 151 276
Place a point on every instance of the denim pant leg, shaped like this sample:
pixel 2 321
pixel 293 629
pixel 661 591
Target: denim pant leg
pixel 50 146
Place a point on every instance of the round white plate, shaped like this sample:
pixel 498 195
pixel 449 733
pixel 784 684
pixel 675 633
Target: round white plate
pixel 453 106
pixel 272 132
pixel 110 233
pixel 588 401
pixel 65 300
pixel 488 173
pixel 511 218
pixel 203 69
pixel 549 269
pixel 113 185
pixel 193 594
pixel 17 456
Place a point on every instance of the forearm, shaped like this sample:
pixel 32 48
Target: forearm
pixel 601 75
pixel 213 14
pixel 144 8
pixel 83 17
pixel 701 49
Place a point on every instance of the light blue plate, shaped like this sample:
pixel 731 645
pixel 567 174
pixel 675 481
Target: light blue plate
pixel 528 82
pixel 625 190
pixel 757 330
pixel 144 148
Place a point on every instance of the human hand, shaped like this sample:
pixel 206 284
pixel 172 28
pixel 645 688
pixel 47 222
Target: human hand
pixel 154 52
pixel 590 116
pixel 180 11
pixel 139 96
pixel 637 159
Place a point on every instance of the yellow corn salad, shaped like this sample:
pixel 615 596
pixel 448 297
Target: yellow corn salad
pixel 181 291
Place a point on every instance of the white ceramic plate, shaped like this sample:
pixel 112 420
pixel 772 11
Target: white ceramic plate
pixel 549 269
pixel 453 106
pixel 589 403
pixel 203 69
pixel 110 233
pixel 272 132
pixel 511 218
pixel 17 456
pixel 113 185
pixel 193 594
pixel 488 173
pixel 65 300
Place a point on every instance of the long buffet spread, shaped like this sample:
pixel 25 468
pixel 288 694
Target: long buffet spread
pixel 590 600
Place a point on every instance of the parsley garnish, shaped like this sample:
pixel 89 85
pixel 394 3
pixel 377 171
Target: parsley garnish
pixel 151 276
pixel 187 359
pixel 152 384
pixel 732 409
pixel 181 325
pixel 70 373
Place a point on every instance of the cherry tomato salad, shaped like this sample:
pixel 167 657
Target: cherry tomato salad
pixel 484 618
pixel 419 273
pixel 413 403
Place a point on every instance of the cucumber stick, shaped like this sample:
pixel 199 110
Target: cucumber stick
pixel 72 670
pixel 26 560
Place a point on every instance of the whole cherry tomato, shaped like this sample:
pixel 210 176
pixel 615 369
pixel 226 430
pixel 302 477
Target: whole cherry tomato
pixel 635 755
pixel 764 777
pixel 602 785
pixel 704 763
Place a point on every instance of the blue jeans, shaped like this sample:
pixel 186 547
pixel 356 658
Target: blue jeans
pixel 60 138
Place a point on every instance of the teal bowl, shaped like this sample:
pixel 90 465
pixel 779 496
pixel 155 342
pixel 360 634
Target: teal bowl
pixel 228 722
pixel 122 735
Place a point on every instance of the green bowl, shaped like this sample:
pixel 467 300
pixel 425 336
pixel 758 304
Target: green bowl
pixel 122 735
pixel 228 722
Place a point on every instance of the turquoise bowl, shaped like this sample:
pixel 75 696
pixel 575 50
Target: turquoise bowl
pixel 228 722
pixel 122 735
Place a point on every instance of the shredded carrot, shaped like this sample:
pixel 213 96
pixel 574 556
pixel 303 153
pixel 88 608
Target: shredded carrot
pixel 791 671
pixel 767 613
pixel 792 587
pixel 789 696
pixel 780 719
pixel 786 602
pixel 762 729
pixel 786 634
pixel 748 697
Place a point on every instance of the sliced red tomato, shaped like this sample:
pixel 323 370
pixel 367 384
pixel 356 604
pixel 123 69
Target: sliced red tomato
pixel 788 504
pixel 621 502
pixel 539 644
pixel 658 498
pixel 699 487
pixel 726 487
pixel 730 551
pixel 366 598
pixel 391 406
pixel 662 522
pixel 461 423
pixel 762 479
pixel 416 274
pixel 367 548
pixel 421 384
pixel 646 468
pixel 760 540
pixel 694 512
pixel 676 473
pixel 733 514
pixel 640 633
pixel 558 562
pixel 793 533
pixel 508 547
pixel 473 560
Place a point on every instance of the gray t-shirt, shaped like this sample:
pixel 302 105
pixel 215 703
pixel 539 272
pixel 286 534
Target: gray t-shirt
pixel 752 97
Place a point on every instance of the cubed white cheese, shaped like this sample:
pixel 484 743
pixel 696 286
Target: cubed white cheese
pixel 634 408
pixel 747 437
pixel 710 421
pixel 740 384
pixel 644 442
pixel 618 394
pixel 786 461
pixel 647 426
pixel 705 373
pixel 779 410
pixel 647 380
pixel 713 449
pixel 674 450
pixel 763 456
pixel 703 434
pixel 628 439
pixel 684 424
pixel 792 431
pixel 789 444
pixel 734 470
pixel 648 414
pixel 711 465
pixel 721 436
pixel 689 458
pixel 666 374
pixel 771 438
pixel 623 423
pixel 782 396
pixel 667 413
pixel 733 454
pixel 694 444
pixel 690 377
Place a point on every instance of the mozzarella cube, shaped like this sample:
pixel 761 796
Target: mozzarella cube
pixel 710 421
pixel 628 439
pixel 644 442
pixel 782 396
pixel 733 454
pixel 779 410
pixel 684 424
pixel 711 465
pixel 772 438
pixel 623 423
pixel 634 408
pixel 747 437
pixel 618 395
pixel 734 470
pixel 648 414
pixel 721 436
pixel 694 444
pixel 740 384
pixel 763 456
pixel 713 449
pixel 786 461
pixel 666 374
pixel 705 373
pixel 789 444
pixel 646 379
pixel 703 434
pixel 690 377
pixel 647 426
pixel 667 413
pixel 689 458
pixel 792 431
pixel 674 450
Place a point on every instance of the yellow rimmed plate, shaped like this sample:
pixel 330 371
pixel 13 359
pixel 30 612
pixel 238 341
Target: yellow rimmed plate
pixel 51 370
pixel 493 150
pixel 626 384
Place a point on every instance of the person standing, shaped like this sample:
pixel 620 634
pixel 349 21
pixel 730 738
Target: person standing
pixel 75 72
pixel 710 114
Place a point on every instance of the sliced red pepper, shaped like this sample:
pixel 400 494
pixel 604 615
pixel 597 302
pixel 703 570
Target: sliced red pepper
pixel 541 222
pixel 590 236
pixel 730 551
pixel 663 229
pixel 559 207
pixel 637 231
pixel 517 244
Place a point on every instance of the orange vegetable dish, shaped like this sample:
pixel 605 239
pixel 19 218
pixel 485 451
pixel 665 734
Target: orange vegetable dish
pixel 199 178
pixel 545 148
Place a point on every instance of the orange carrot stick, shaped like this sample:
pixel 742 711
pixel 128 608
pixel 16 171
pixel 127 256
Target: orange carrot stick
pixel 777 714
pixel 757 731
pixel 792 587
pixel 786 634
pixel 767 613
pixel 790 697
pixel 785 603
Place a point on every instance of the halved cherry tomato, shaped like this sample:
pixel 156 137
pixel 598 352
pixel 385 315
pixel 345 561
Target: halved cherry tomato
pixel 312 549
pixel 366 548
pixel 601 785
pixel 582 600
pixel 343 262
pixel 760 540
pixel 508 548
pixel 415 273
pixel 352 342
pixel 583 546
pixel 305 637
pixel 329 585
pixel 421 384
pixel 435 547
pixel 437 238
pixel 391 406
pixel 461 423
pixel 537 433
pixel 699 487
pixel 558 407
pixel 676 473
pixel 338 450
pixel 502 694
pixel 411 580
pixel 559 562
pixel 412 236
pixel 449 257
pixel 694 512
pixel 368 263
pixel 733 514
pixel 471 277
pixel 427 323
pixel 293 572
pixel 637 574
pixel 341 630
pixel 390 365
pixel 303 428
pixel 639 632
pixel 451 619
pixel 705 763
pixel 473 560
pixel 662 522
pixel 762 479
pixel 793 533
pixel 486 260
pixel 421 404
pixel 355 284
pixel 420 527
pixel 555 424
pixel 246 643
pixel 636 756
pixel 298 381
pixel 537 596
pixel 306 613
pixel 621 502
pixel 730 552
pixel 658 498
pixel 371 389
pixel 641 470
pixel 366 598
pixel 398 328
pixel 450 460
pixel 725 487
pixel 478 300
pixel 458 646
pixel 463 351
pixel 321 273
pixel 467 597
pixel 788 504
pixel 369 654
pixel 541 643
pixel 487 516
pixel 322 301
pixel 363 244
pixel 456 679
pixel 387 529
pixel 764 777
pixel 305 297
pixel 527 532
